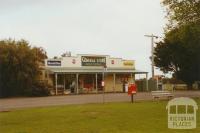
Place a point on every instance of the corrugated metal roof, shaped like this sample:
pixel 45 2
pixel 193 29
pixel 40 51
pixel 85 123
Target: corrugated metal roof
pixel 93 70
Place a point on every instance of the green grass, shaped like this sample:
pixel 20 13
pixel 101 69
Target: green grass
pixel 140 117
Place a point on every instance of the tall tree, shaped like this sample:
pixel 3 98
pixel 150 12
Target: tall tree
pixel 179 50
pixel 19 66
pixel 179 53
pixel 181 12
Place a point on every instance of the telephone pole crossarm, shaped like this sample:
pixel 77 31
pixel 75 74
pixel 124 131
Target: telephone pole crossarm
pixel 152 51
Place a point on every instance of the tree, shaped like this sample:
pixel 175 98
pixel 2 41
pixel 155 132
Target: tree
pixel 181 12
pixel 179 50
pixel 179 53
pixel 19 66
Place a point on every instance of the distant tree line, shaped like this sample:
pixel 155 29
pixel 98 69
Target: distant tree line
pixel 19 69
pixel 179 51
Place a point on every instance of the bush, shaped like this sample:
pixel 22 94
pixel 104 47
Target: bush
pixel 20 68
pixel 39 89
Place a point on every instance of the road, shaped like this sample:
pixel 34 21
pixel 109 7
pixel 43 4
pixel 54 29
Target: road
pixel 7 104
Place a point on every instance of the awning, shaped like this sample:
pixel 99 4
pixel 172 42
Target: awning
pixel 92 70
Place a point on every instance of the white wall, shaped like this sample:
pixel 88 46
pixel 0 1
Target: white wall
pixel 68 61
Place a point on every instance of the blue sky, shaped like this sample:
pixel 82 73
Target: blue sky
pixel 111 27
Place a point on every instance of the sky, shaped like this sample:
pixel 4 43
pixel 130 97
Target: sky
pixel 107 27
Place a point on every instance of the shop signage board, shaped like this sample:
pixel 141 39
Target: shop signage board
pixel 53 63
pixel 128 63
pixel 93 61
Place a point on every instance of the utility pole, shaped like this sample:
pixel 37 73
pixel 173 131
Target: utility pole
pixel 152 52
pixel 103 81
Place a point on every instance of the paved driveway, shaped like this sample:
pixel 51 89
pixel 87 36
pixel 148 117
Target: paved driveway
pixel 13 103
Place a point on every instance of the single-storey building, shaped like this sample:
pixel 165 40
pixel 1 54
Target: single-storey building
pixel 87 73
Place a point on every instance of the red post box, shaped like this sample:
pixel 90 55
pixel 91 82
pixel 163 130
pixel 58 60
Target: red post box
pixel 132 89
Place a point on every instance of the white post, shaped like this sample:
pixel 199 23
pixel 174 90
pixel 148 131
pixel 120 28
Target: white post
pixel 147 86
pixel 64 82
pixel 114 81
pixel 77 83
pixel 104 69
pixel 152 55
pixel 56 82
pixel 93 84
pixel 96 82
pixel 152 52
pixel 103 77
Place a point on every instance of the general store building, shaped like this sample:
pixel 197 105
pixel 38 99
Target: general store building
pixel 84 73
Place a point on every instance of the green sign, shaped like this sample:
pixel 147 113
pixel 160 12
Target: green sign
pixel 93 61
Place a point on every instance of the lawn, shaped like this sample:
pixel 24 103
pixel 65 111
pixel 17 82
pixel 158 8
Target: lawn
pixel 139 117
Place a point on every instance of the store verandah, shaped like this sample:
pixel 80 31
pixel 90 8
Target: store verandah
pixel 80 83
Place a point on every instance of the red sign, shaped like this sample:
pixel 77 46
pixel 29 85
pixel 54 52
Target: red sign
pixel 132 89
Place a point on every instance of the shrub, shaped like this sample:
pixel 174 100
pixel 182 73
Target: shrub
pixel 39 89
